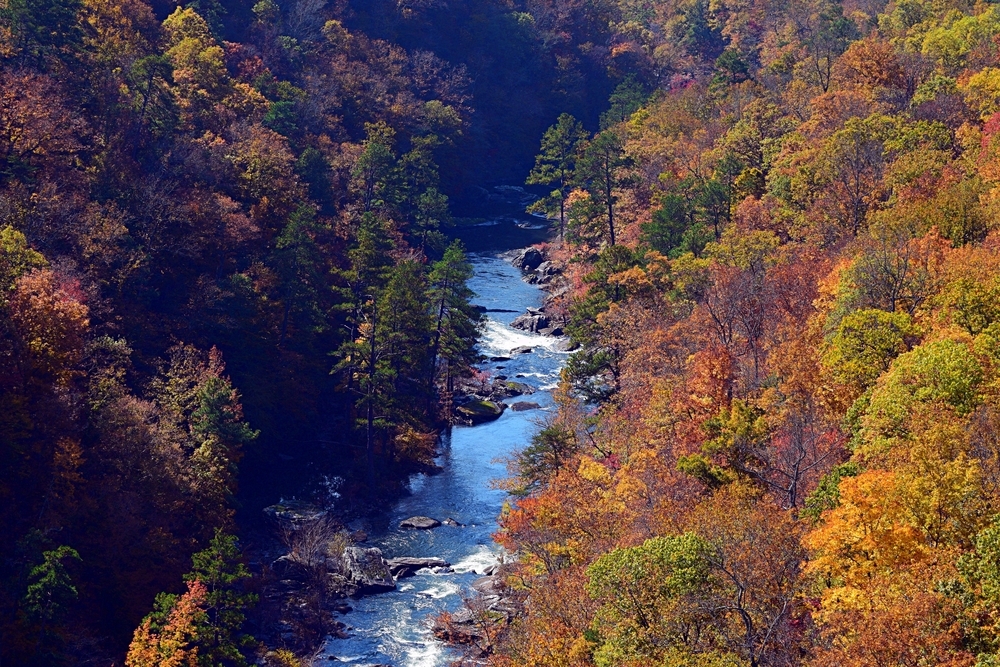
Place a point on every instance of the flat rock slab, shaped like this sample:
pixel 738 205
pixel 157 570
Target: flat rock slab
pixel 524 406
pixel 408 566
pixel 420 522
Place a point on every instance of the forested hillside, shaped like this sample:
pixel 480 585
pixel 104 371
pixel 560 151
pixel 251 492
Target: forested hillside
pixel 226 274
pixel 779 440
pixel 223 278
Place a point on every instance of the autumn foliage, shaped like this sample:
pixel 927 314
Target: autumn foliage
pixel 782 416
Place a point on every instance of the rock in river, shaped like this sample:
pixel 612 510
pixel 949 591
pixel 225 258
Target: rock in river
pixel 528 259
pixel 407 567
pixel 367 570
pixel 421 522
pixel 531 322
pixel 524 406
pixel 477 412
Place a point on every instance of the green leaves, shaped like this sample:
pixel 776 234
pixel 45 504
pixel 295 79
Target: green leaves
pixel 556 163
pixel 642 591
pixel 865 344
pixel 51 589
pixel 16 259
pixel 220 569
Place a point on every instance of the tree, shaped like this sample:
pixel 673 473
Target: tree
pixel 456 322
pixel 373 167
pixel 49 316
pixel 598 171
pixel 550 449
pixel 629 96
pixel 646 594
pixel 50 588
pixel 865 344
pixel 666 231
pixel 220 570
pixel 299 264
pixel 405 331
pixel 174 640
pixel 16 259
pixel 43 28
pixel 556 163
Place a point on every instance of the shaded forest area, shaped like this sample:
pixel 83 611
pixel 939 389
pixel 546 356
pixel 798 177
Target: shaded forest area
pixel 225 275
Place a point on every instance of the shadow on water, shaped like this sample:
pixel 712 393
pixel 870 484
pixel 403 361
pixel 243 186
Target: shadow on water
pixel 395 628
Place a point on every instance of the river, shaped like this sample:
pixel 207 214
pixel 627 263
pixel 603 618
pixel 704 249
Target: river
pixel 395 628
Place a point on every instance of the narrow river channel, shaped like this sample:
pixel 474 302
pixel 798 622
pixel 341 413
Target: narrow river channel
pixel 395 628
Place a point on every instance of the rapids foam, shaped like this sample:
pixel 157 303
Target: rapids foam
pixel 499 339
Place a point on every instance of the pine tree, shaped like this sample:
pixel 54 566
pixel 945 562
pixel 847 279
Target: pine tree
pixel 456 322
pixel 374 165
pixel 298 263
pixel 220 569
pixel 598 172
pixel 556 163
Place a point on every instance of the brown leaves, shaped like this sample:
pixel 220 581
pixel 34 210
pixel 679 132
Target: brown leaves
pixel 38 133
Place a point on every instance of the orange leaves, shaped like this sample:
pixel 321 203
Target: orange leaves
pixel 175 645
pixel 551 633
pixel 871 66
pixel 866 536
pixel 48 313
pixel 37 131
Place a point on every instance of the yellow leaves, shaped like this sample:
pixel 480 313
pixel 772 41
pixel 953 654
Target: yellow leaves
pixel 592 471
pixel 116 28
pixel 867 534
pixel 891 524
pixel 51 318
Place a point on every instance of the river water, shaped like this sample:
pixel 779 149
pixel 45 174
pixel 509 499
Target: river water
pixel 395 628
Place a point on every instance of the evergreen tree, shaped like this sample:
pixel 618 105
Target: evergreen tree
pixel 299 266
pixel 42 28
pixel 628 97
pixel 598 172
pixel 405 327
pixel 220 568
pixel 555 164
pixel 456 322
pixel 373 167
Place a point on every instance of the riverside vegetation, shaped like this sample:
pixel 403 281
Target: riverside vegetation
pixel 223 260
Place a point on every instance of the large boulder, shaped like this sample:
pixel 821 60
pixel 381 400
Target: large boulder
pixel 545 273
pixel 420 522
pixel 408 566
pixel 529 259
pixel 458 628
pixel 504 388
pixel 533 322
pixel 288 568
pixel 367 569
pixel 477 412
pixel 524 406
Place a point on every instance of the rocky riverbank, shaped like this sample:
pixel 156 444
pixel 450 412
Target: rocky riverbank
pixel 539 269
pixel 324 566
